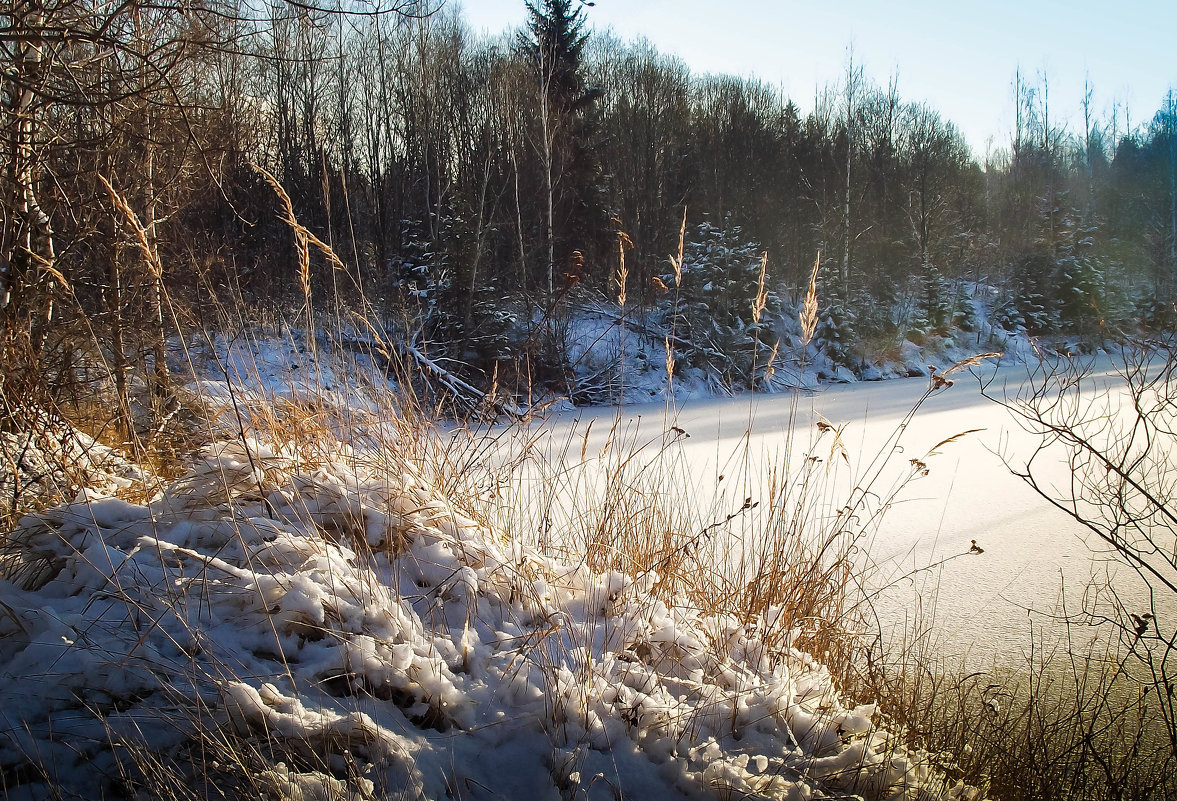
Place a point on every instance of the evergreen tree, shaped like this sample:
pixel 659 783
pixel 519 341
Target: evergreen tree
pixel 573 213
pixel 555 43
pixel 1081 292
pixel 1032 274
pixel 964 312
pixel 715 305
pixel 937 301
pixel 836 328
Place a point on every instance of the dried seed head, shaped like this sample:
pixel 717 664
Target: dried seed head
pixel 809 307
pixel 624 243
pixel 761 289
pixel 682 236
pixel 971 361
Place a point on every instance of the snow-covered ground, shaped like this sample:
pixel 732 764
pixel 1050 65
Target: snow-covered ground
pixel 625 359
pixel 305 614
pixel 283 622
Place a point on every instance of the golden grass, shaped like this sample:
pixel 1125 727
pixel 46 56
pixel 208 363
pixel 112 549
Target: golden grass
pixel 1061 728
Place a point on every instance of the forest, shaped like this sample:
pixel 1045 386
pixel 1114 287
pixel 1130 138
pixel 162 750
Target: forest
pixel 479 188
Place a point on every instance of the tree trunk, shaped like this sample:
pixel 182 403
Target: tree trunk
pixel 1171 128
pixel 29 239
pixel 549 226
pixel 160 385
pixel 118 349
pixel 852 79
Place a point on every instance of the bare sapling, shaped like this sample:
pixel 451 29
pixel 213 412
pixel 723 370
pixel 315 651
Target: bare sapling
pixel 1115 429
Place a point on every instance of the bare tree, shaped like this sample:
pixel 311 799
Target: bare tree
pixel 1170 128
pixel 1116 435
pixel 73 69
pixel 854 78
pixel 935 157
pixel 121 92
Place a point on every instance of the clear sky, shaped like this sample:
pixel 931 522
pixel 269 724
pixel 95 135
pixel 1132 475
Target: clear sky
pixel 960 57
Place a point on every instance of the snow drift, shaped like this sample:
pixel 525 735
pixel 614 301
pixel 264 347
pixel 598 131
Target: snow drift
pixel 280 624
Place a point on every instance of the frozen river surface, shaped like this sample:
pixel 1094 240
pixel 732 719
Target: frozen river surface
pixel 1035 556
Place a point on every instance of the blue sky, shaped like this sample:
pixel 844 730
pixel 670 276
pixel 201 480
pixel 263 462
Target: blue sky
pixel 960 57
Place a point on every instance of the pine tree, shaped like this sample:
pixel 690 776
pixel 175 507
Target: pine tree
pixel 1080 285
pixel 964 312
pixel 573 213
pixel 936 301
pixel 555 44
pixel 1032 299
pixel 715 302
pixel 837 331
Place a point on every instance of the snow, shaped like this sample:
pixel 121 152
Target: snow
pixel 51 460
pixel 323 623
pixel 338 629
pixel 981 609
pixel 231 375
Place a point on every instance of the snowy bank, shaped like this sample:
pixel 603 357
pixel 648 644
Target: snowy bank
pixel 276 624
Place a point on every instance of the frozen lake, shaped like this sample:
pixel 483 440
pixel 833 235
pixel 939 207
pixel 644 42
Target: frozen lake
pixel 985 605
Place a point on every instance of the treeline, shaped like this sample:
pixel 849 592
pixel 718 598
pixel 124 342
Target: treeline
pixel 477 186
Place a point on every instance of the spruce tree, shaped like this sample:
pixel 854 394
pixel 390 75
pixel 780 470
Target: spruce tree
pixel 715 305
pixel 555 42
pixel 573 212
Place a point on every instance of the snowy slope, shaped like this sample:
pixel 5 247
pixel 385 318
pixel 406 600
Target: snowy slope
pixel 284 625
pixel 614 361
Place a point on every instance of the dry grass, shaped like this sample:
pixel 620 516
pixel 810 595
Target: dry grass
pixel 1065 727
pixel 784 544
